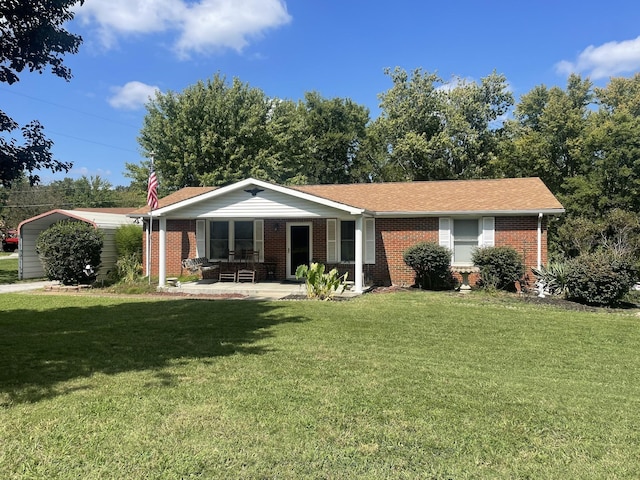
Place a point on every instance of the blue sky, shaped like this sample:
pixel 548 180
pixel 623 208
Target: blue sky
pixel 339 48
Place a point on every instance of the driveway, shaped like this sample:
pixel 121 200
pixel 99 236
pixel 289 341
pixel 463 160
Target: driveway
pixel 22 286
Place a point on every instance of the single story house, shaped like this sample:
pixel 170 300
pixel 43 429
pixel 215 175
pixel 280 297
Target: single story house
pixel 106 219
pixel 362 229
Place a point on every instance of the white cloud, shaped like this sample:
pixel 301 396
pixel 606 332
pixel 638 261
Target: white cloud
pixel 132 95
pixel 609 59
pixel 201 26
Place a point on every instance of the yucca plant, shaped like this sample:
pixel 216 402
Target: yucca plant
pixel 554 277
pixel 321 285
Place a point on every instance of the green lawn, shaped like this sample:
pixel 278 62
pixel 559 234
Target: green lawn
pixel 8 270
pixel 403 385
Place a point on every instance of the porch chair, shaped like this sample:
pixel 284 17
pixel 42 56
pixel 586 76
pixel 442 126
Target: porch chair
pixel 247 270
pixel 244 274
pixel 228 270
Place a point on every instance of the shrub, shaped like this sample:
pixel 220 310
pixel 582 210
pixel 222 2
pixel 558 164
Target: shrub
pixel 129 267
pixel 600 278
pixel 500 267
pixel 432 263
pixel 321 285
pixel 66 249
pixel 128 240
pixel 554 277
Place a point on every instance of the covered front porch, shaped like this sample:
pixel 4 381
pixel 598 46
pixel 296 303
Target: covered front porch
pixel 268 290
pixel 280 228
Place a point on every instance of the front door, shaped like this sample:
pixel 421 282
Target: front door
pixel 299 241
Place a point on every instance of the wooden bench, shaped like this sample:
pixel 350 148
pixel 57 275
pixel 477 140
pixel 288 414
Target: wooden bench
pixel 200 264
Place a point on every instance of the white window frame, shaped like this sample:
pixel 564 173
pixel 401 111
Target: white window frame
pixel 446 233
pixel 334 243
pixel 203 232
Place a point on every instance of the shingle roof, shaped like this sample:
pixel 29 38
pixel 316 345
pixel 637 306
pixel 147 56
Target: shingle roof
pixel 183 194
pixel 495 195
pixel 505 194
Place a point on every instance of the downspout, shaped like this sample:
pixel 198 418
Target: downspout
pixel 539 240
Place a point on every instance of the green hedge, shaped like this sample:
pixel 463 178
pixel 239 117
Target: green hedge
pixel 66 249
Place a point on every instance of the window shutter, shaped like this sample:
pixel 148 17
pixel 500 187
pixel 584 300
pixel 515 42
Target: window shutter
pixel 332 240
pixel 488 231
pixel 369 240
pixel 258 238
pixel 444 233
pixel 201 238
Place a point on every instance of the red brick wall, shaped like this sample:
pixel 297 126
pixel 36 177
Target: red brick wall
pixel 393 237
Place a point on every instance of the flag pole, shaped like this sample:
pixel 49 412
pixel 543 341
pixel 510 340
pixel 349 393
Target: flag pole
pixel 152 201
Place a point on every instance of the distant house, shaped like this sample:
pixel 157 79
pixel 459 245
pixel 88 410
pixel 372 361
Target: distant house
pixel 105 219
pixel 361 228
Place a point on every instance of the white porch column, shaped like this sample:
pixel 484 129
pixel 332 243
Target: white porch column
pixel 539 241
pixel 162 252
pixel 358 270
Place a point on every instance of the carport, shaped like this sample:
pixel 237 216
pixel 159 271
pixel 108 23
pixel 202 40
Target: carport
pixel 105 219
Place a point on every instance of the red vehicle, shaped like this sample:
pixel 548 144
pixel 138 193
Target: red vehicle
pixel 10 241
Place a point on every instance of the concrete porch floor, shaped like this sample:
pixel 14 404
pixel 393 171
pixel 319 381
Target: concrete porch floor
pixel 251 291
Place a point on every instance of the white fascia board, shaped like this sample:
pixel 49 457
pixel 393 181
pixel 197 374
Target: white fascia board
pixel 259 183
pixel 544 211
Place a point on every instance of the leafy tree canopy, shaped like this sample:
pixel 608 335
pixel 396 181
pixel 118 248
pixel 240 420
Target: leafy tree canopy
pixel 32 38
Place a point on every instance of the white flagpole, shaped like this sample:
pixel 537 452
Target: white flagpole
pixel 150 229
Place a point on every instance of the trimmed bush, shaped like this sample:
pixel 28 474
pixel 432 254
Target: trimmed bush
pixel 600 278
pixel 500 267
pixel 432 263
pixel 66 249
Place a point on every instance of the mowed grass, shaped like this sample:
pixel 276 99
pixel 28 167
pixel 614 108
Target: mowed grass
pixel 403 385
pixel 8 270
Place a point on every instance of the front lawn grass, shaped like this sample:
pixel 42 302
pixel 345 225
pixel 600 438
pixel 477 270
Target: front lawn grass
pixel 8 270
pixel 403 385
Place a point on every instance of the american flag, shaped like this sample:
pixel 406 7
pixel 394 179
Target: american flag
pixel 152 189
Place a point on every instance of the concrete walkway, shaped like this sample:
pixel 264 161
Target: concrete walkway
pixel 26 286
pixel 22 286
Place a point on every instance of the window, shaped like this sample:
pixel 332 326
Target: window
pixel 243 237
pixel 341 240
pixel 237 236
pixel 465 240
pixel 219 240
pixel 348 241
pixel 463 235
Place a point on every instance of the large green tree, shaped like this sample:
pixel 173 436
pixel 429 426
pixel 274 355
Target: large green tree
pixel 430 129
pixel 32 37
pixel 546 136
pixel 215 133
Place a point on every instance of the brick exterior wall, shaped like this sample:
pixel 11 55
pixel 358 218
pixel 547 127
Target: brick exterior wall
pixel 393 237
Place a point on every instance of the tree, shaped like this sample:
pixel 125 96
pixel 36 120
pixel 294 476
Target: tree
pixel 32 37
pixel 210 134
pixel 546 137
pixel 214 133
pixel 23 200
pixel 334 131
pixel 431 130
pixel 86 192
